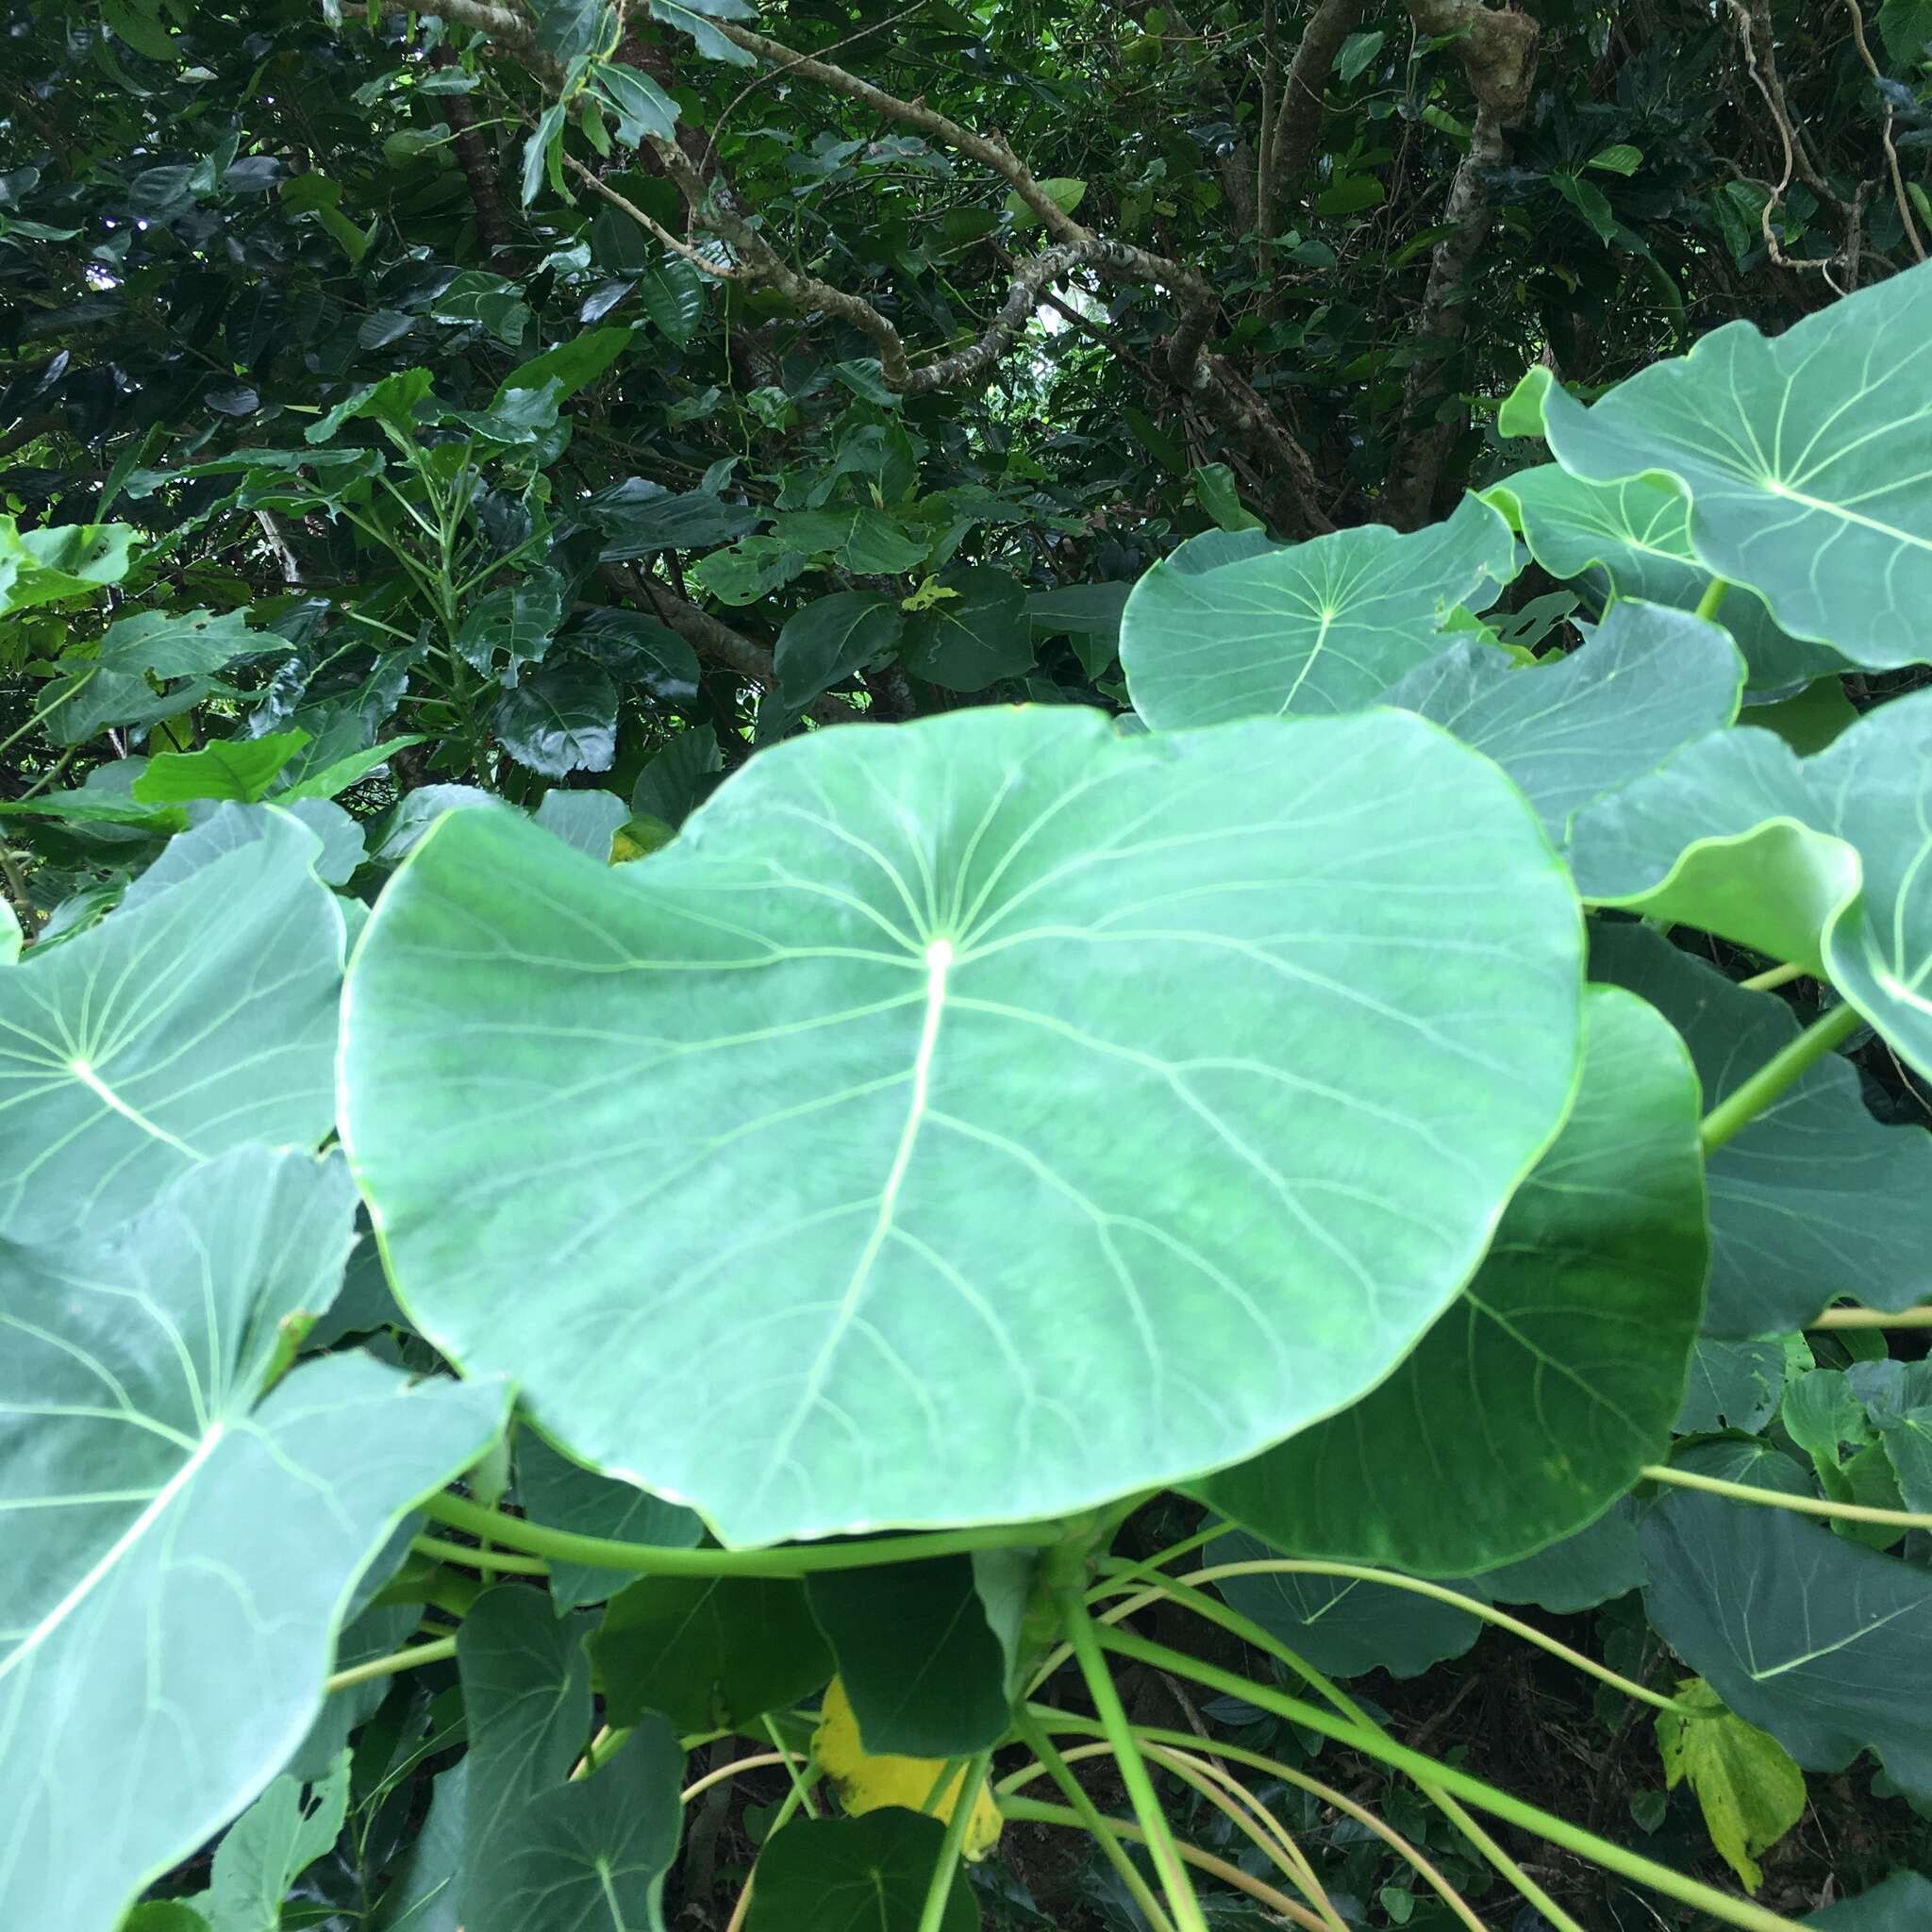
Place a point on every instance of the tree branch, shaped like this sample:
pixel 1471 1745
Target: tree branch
pixel 1499 58
pixel 1298 114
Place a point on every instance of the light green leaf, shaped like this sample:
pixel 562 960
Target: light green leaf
pixel 1814 1199
pixel 860 538
pixel 1645 683
pixel 196 1532
pixel 641 107
pixel 1620 157
pixel 1806 459
pixel 1215 491
pixel 585 819
pixel 202 1018
pixel 1750 1792
pixel 854 1874
pixel 573 365
pixel 566 1495
pixel 1738 836
pixel 975 637
pixel 1066 193
pixel 1634 538
pixel 537 145
pixel 1825 1644
pixel 60 561
pixel 238 769
pixel 228 827
pixel 924 1672
pixel 313 783
pixel 10 934
pixel 270 1845
pixel 708 1651
pixel 590 1855
pixel 1318 626
pixel 1002 1170
pixel 1538 1398
pixel 113 687
pixel 831 639
pixel 390 402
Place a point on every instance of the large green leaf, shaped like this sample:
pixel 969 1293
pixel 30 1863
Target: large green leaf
pixel 1814 1199
pixel 237 769
pixel 561 718
pixel 1635 534
pixel 1807 460
pixel 1825 1644
pixel 1644 684
pixel 1901 1903
pixel 114 687
pixel 183 1538
pixel 925 1674
pixel 1319 626
pixel 855 1874
pixel 60 561
pixel 1820 861
pixel 1015 1225
pixel 203 1018
pixel 589 1855
pixel 1543 1392
pixel 708 1651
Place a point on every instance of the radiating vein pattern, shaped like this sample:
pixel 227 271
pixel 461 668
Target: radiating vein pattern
pixel 196 1021
pixel 178 1545
pixel 969 1123
pixel 1318 628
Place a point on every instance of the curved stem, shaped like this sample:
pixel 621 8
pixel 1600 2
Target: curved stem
pixel 1104 1832
pixel 1486 1797
pixel 788 1560
pixel 1032 1810
pixel 1252 1633
pixel 1874 1317
pixel 444 1648
pixel 759 1760
pixel 947 1865
pixel 1745 1102
pixel 1776 1499
pixel 1228 1796
pixel 486 1561
pixel 1085 1642
pixel 1714 597
pixel 1297 1566
pixel 798 1783
pixel 1287 1773
pixel 1771 977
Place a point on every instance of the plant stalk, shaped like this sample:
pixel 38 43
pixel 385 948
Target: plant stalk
pixel 1776 1499
pixel 1744 1103
pixel 932 1916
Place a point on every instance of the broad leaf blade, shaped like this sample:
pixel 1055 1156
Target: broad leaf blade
pixel 1538 1398
pixel 195 1539
pixel 1319 628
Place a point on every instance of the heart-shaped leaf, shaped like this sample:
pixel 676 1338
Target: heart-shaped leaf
pixel 200 1018
pixel 1319 626
pixel 1807 459
pixel 1013 1228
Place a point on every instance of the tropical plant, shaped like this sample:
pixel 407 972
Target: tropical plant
pixel 580 1189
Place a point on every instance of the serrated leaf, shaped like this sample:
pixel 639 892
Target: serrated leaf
pixel 954 950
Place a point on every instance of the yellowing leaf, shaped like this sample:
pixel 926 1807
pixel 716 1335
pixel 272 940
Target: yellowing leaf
pixel 1751 1790
pixel 638 838
pixel 867 1783
pixel 928 595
